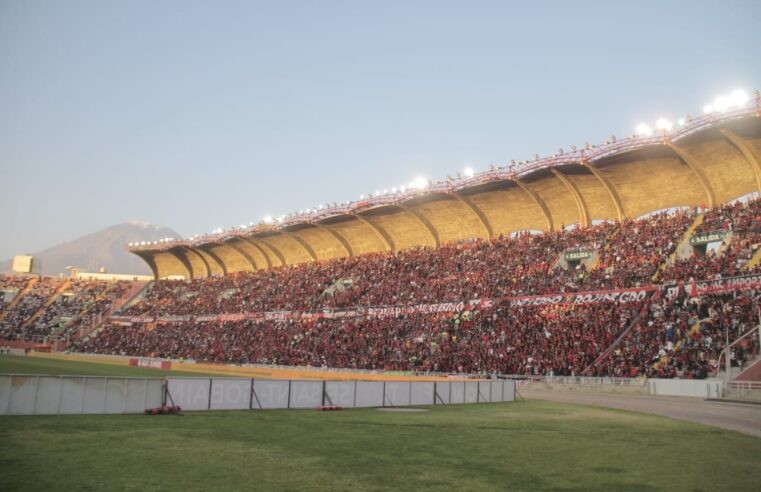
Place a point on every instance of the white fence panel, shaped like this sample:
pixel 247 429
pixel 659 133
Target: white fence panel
pixel 484 391
pixel 369 394
pixel 457 392
pixel 471 392
pixel 22 397
pixel 508 391
pixel 443 393
pixel 189 393
pixel 496 390
pixel 47 395
pixel 116 395
pixel 422 393
pixel 397 393
pixel 72 395
pixel 340 393
pixel 270 393
pixel 230 394
pixel 306 394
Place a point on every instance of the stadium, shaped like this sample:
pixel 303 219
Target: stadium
pixel 624 276
pixel 475 246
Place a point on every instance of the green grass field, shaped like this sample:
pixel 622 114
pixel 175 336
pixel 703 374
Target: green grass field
pixel 524 445
pixel 12 364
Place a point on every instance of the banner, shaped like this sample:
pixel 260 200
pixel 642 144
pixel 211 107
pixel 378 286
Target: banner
pixel 710 237
pixel 577 255
pixel 621 296
pixel 618 296
pixel 151 363
pixel 723 285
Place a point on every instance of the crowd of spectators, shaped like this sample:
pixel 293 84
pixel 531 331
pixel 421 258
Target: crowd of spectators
pixel 528 264
pixel 68 305
pixel 17 318
pixel 664 336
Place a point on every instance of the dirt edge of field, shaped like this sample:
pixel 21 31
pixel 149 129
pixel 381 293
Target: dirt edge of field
pixel 739 417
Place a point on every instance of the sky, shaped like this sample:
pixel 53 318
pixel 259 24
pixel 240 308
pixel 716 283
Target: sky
pixel 199 115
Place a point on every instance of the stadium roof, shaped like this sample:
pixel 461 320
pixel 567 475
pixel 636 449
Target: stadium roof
pixel 704 161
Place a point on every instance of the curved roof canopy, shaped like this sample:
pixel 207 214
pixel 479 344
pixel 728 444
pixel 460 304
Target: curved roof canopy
pixel 709 161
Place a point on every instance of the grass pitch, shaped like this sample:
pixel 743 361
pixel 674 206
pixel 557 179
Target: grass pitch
pixel 525 445
pixel 13 364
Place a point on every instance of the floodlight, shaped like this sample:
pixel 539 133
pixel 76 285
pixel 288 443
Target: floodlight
pixel 663 124
pixel 468 172
pixel 681 122
pixel 418 183
pixel 722 103
pixel 268 220
pixel 739 97
pixel 708 109
pixel 643 130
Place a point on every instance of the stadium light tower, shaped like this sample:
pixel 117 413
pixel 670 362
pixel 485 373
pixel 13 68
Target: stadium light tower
pixel 643 130
pixel 664 124
pixel 418 183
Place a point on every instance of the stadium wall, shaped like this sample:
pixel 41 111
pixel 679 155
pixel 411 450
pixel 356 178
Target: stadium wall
pixel 263 394
pixel 46 395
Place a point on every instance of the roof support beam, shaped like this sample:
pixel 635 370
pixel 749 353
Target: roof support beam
pixel 612 192
pixel 379 232
pixel 539 202
pixel 746 151
pixel 476 210
pixel 216 259
pixel 424 222
pixel 151 263
pixel 177 253
pixel 304 245
pixel 272 249
pixel 580 205
pixel 199 255
pixel 338 237
pixel 253 243
pixel 697 170
pixel 244 254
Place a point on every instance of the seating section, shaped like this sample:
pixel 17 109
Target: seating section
pixel 672 332
pixel 53 307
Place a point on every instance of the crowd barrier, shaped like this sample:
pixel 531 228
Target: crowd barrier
pixel 41 395
pixel 263 394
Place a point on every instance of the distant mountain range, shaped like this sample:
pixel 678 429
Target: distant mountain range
pixel 105 248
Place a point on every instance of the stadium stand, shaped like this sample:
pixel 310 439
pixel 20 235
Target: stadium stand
pixel 44 307
pixel 671 329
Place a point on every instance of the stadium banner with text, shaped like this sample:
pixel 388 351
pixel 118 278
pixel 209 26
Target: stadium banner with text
pixel 618 296
pixel 711 237
pixel 578 255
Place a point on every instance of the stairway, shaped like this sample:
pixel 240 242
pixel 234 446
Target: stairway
pixel 755 261
pixel 18 297
pixel 47 304
pixel 683 249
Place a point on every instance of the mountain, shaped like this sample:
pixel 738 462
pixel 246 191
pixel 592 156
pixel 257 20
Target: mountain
pixel 105 248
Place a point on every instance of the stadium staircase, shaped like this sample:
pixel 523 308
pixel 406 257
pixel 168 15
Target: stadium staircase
pixel 756 260
pixel 682 250
pixel 680 343
pixel 47 304
pixel 19 296
pixel 136 293
pixel 81 314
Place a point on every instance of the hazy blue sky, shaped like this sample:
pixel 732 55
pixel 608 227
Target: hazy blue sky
pixel 198 115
